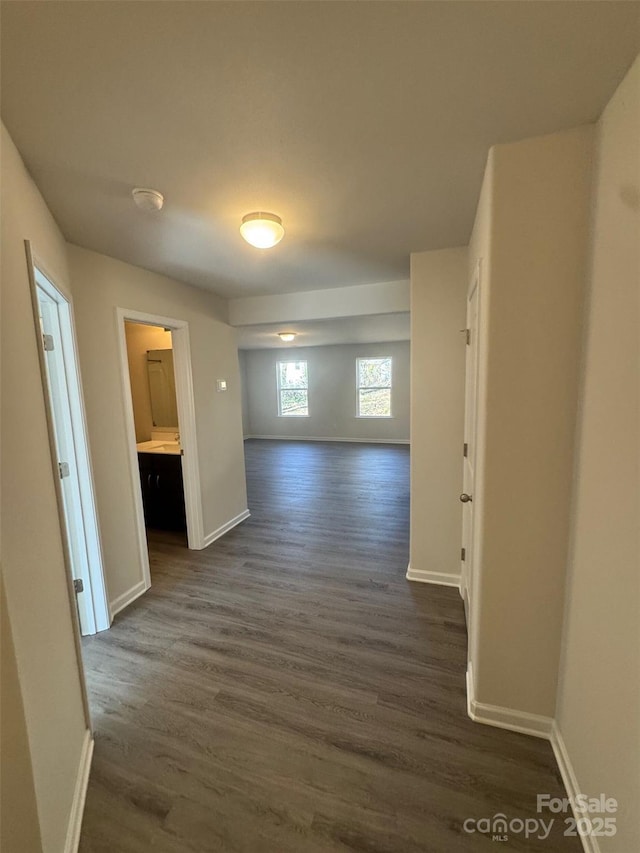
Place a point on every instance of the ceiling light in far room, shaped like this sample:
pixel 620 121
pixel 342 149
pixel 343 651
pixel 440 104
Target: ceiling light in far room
pixel 286 337
pixel 147 199
pixel 262 230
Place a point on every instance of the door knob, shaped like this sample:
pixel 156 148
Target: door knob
pixel 465 498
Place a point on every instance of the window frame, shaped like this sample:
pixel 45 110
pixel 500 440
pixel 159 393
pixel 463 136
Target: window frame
pixel 374 387
pixel 280 389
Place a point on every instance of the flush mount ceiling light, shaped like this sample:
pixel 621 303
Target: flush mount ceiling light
pixel 147 199
pixel 287 337
pixel 262 230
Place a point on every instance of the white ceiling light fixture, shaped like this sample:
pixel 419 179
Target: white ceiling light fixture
pixel 262 230
pixel 147 199
pixel 286 337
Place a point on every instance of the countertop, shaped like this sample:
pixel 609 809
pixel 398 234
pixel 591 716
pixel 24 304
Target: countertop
pixel 171 448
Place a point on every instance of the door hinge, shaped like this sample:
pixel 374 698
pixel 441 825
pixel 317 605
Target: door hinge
pixel 463 554
pixel 78 586
pixel 468 336
pixel 48 344
pixel 63 469
pixel 465 450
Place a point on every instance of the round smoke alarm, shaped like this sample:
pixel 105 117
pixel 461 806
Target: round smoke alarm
pixel 147 199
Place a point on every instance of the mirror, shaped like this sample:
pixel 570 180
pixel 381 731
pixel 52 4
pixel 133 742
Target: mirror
pixel 162 388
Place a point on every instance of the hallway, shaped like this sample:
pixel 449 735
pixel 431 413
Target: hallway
pixel 288 691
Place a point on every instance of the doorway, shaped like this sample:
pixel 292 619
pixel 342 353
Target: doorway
pixel 69 447
pixel 157 427
pixel 164 472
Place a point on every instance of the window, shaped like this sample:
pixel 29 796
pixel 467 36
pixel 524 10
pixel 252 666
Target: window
pixel 293 389
pixel 374 387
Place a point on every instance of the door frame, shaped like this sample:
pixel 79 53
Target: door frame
pixel 468 577
pixel 40 278
pixel 187 426
pixel 34 261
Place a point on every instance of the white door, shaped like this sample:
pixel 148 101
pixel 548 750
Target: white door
pixel 471 395
pixel 72 458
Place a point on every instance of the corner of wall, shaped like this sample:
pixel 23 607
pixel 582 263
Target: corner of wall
pixel 439 283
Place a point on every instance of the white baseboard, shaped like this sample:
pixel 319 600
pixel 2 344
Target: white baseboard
pixel 590 843
pixel 225 528
pixel 505 718
pixel 127 597
pixel 79 795
pixel 538 726
pixel 319 438
pixel 440 578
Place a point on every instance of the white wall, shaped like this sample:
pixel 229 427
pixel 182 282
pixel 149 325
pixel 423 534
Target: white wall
pixel 389 297
pixel 242 360
pixel 599 695
pixel 19 826
pixel 99 285
pixel 439 283
pixel 32 557
pixel 534 218
pixel 332 393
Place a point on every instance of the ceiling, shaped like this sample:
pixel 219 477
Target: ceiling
pixel 372 329
pixel 365 125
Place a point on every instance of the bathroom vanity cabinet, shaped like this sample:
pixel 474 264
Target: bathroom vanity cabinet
pixel 162 490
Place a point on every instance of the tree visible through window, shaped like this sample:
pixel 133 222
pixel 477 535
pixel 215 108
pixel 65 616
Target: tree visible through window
pixel 374 387
pixel 293 389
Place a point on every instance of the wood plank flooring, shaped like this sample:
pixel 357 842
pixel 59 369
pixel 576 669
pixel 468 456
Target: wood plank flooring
pixel 288 691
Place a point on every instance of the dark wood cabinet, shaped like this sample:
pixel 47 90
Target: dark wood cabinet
pixel 162 491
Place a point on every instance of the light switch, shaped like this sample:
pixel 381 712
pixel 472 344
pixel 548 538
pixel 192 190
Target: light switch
pixel 222 384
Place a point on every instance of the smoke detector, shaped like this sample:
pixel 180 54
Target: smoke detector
pixel 147 199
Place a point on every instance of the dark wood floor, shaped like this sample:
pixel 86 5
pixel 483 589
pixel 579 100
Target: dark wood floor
pixel 288 690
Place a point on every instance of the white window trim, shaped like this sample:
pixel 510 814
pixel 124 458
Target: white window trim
pixel 389 388
pixel 279 388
